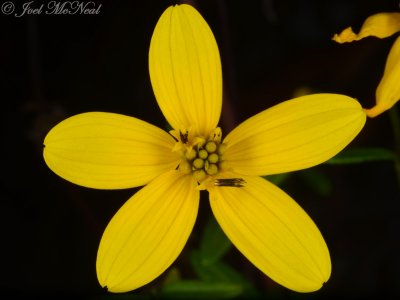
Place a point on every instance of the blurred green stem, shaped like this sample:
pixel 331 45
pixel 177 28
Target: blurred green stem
pixel 395 120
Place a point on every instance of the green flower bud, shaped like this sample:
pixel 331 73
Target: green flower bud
pixel 221 149
pixel 185 167
pixel 212 169
pixel 213 158
pixel 199 175
pixel 211 147
pixel 198 163
pixel 190 154
pixel 203 154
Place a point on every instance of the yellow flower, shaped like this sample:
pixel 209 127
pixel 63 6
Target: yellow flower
pixel 111 151
pixel 381 25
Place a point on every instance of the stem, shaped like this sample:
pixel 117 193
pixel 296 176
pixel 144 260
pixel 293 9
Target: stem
pixel 395 120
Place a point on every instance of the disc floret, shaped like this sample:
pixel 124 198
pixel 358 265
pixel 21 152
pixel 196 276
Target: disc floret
pixel 202 157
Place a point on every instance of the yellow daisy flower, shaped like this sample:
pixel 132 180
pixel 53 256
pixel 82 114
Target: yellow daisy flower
pixel 380 25
pixel 112 151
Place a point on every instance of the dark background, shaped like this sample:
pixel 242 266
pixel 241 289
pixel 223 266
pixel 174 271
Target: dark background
pixel 55 66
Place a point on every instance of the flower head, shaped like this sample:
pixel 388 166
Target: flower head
pixel 380 25
pixel 111 151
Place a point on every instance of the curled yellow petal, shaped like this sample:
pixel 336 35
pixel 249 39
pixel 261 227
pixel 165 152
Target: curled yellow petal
pixel 108 151
pixel 148 232
pixel 293 135
pixel 388 91
pixel 380 25
pixel 185 70
pixel 273 232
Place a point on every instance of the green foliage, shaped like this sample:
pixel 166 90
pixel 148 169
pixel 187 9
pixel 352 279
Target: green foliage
pixel 214 243
pixel 172 276
pixel 362 155
pixel 317 181
pixel 215 279
pixel 123 296
pixel 198 289
pixel 277 179
pixel 220 272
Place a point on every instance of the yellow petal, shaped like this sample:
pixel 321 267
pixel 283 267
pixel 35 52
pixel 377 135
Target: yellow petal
pixel 108 151
pixel 274 233
pixel 388 91
pixel 379 25
pixel 185 70
pixel 294 134
pixel 148 233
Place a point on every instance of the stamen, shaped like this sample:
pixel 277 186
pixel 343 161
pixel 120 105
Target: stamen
pixel 232 182
pixel 184 136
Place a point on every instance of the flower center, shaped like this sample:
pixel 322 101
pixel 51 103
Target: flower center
pixel 202 157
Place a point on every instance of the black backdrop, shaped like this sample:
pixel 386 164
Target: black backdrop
pixel 54 66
